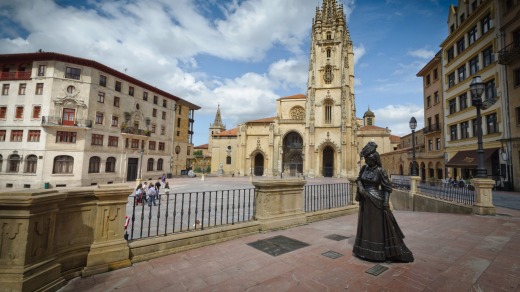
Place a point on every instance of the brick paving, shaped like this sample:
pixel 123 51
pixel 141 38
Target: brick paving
pixel 452 253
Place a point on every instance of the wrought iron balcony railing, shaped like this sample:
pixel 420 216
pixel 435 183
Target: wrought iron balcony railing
pixel 49 121
pixel 432 128
pixel 508 54
pixel 135 131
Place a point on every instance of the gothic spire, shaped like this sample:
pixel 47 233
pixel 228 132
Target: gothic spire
pixel 218 120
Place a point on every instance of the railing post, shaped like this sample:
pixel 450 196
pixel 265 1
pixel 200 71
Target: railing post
pixel 483 196
pixel 352 189
pixel 279 203
pixel 414 183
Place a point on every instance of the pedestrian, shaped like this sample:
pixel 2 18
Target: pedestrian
pixel 138 194
pixel 166 192
pixel 158 186
pixel 163 178
pixel 152 193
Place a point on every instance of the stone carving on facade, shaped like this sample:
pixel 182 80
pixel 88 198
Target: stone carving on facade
pixel 40 237
pixel 8 241
pixel 297 113
pixel 69 100
pixel 110 215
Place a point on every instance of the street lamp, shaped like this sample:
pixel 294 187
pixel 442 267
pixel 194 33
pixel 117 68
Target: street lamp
pixel 413 125
pixel 141 164
pixel 477 87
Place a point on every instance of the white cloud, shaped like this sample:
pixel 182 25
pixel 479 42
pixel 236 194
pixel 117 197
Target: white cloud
pixel 358 53
pixel 397 117
pixel 422 53
pixel 291 72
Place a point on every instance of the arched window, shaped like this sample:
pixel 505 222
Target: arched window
pixel 329 35
pixel 228 160
pixel 328 53
pixel 110 165
pixel 369 121
pixel 63 164
pixel 297 113
pixel 160 164
pixel 31 162
pixel 328 76
pixel 150 164
pixel 1 162
pixel 13 163
pixel 327 105
pixel 93 164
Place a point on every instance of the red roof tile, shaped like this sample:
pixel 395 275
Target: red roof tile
pixel 264 120
pixel 203 146
pixel 296 96
pixel 228 133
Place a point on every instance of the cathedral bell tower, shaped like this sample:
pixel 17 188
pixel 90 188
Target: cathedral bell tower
pixel 330 105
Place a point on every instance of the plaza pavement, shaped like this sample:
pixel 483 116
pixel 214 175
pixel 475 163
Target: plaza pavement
pixel 452 253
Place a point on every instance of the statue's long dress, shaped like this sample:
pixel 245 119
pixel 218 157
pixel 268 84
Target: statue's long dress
pixel 379 237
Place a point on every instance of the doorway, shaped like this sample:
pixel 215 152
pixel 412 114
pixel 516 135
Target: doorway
pixel 259 165
pixel 131 174
pixel 328 162
pixel 68 116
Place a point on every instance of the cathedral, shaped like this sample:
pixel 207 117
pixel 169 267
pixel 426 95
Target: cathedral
pixel 315 135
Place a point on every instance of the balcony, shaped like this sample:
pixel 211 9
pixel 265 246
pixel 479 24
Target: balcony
pixel 135 131
pixel 49 121
pixel 15 75
pixel 508 54
pixel 429 129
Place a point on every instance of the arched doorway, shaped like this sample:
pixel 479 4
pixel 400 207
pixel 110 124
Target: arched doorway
pixel 292 154
pixel 259 164
pixel 328 162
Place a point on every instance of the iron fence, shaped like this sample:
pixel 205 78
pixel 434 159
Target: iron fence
pixel 326 196
pixel 179 212
pixel 401 182
pixel 454 193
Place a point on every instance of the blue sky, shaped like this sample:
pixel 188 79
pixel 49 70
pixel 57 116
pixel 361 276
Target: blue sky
pixel 241 54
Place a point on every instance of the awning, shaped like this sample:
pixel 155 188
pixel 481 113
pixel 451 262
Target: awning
pixel 466 159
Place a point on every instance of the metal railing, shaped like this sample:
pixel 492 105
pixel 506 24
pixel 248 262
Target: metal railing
pixel 401 182
pixel 327 196
pixel 509 53
pixel 464 194
pixel 180 212
pixel 57 121
pixel 432 128
pixel 135 131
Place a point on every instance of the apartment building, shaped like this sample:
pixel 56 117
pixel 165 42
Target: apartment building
pixel 468 51
pixel 509 60
pixel 432 164
pixel 69 121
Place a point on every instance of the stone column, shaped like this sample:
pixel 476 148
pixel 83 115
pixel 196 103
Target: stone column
pixel 483 196
pixel 110 250
pixel 414 182
pixel 279 203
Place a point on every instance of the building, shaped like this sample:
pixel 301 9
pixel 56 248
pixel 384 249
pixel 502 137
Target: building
pixel 69 121
pixel 509 60
pixel 469 50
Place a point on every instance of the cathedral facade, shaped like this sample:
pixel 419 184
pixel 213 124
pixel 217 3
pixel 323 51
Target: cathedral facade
pixel 313 134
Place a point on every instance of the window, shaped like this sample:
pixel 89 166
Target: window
pixel 453 132
pixel 228 160
pixel 99 118
pixel 328 53
pixel 450 54
pixel 452 28
pixel 131 90
pixel 435 74
pixel 516 77
pixel 429 101
pixel 151 145
pixel 154 112
pixel 491 122
pixel 5 89
pixel 328 112
pixel 462 72
pixel 149 165
pixel 178 133
pixel 163 130
pixel 436 97
pixel 463 101
pixel 30 164
pixel 97 139
pixel 153 128
pixel 19 113
pixel 164 103
pixel 116 101
pixel 101 97
pixel 460 46
pixel 155 99
pixel 113 141
pixel 430 145
pixel 41 70
pixel 72 73
pixel 462 17
pixel 473 6
pixel 486 23
pixel 472 35
pixel 39 89
pixel 164 115
pixel 517 110
pixel 93 164
pixel 65 137
pixel 63 164
pixel 13 163
pixel 428 80
pixel 3 112
pixel 110 165
pixel 36 112
pixel 475 127
pixel 329 35
pixel 145 96
pixel 118 86
pixel 160 163
pixel 33 136
pixel 491 91
pixel 438 144
pixel 135 143
pixel 16 135
pixel 178 122
pixel 453 106
pixel 161 146
pixel 71 89
pixel 180 109
pixel 115 121
pixel 464 130
pixel 21 88
pixel 327 76
pixel 103 80
pixel 451 80
pixel 487 56
pixel 473 66
pixel 2 135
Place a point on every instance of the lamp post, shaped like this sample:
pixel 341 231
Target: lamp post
pixel 251 167
pixel 203 166
pixel 413 125
pixel 477 87
pixel 141 165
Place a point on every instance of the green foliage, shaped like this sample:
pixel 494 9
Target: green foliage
pixel 197 152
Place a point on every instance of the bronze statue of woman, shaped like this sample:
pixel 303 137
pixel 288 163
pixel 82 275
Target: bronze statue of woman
pixel 379 237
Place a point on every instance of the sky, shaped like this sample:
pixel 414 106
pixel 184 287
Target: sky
pixel 239 54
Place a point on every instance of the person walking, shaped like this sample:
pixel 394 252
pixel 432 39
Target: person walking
pixel 152 194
